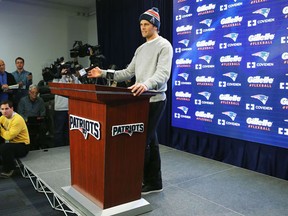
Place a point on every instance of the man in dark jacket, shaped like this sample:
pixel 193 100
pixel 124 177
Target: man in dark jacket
pixel 6 80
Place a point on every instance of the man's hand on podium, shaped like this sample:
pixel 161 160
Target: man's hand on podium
pixel 138 88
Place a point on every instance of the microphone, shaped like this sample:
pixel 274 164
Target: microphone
pixel 84 71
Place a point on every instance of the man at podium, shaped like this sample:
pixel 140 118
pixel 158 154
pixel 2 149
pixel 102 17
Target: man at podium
pixel 151 66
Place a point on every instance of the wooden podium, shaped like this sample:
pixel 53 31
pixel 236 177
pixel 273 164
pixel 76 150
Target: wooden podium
pixel 107 145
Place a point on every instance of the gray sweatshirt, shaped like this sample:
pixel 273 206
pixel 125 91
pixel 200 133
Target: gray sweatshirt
pixel 151 66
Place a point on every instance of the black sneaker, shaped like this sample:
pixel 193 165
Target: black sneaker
pixel 6 174
pixel 147 189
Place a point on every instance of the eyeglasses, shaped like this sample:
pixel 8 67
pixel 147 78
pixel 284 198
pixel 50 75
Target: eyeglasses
pixel 2 65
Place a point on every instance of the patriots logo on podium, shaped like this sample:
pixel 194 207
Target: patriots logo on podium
pixel 127 129
pixel 84 132
pixel 85 126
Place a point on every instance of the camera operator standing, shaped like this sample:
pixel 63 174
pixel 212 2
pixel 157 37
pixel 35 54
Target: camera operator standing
pixel 61 118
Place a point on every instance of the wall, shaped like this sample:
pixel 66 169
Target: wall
pixel 41 34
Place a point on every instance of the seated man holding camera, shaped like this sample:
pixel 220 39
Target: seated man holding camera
pixel 32 109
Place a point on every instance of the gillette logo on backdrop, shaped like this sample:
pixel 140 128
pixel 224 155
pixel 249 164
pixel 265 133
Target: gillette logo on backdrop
pixel 285 11
pixel 205 45
pixel 204 116
pixel 127 129
pixel 183 62
pixel 261 39
pixel 260 82
pixel 284 103
pixel 85 126
pixel 258 124
pixel 229 22
pixel 230 99
pixel 183 30
pixel 183 96
pixel 205 81
pixel 285 57
pixel 230 60
pixel 206 9
pixel 258 1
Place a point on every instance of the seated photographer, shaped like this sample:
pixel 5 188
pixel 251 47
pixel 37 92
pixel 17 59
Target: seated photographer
pixel 32 109
pixel 15 133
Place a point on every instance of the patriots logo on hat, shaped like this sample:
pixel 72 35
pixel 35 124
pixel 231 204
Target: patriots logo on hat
pixel 152 20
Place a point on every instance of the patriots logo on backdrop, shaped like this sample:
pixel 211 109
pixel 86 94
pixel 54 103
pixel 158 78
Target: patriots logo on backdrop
pixel 185 8
pixel 230 114
pixel 262 54
pixel 206 58
pixel 232 36
pixel 205 94
pixel 231 75
pixel 262 98
pixel 185 42
pixel 184 75
pixel 184 109
pixel 207 22
pixel 262 11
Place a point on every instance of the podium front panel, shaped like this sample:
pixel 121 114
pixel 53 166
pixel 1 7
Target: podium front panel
pixel 107 167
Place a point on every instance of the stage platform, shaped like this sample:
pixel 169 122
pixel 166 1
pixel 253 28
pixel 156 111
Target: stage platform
pixel 193 185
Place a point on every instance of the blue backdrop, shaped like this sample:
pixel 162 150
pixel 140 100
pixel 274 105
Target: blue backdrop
pixel 230 74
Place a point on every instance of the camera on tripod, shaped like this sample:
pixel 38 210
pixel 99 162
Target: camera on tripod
pixel 54 71
pixel 94 52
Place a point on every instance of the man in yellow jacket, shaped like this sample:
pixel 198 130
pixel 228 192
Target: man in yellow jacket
pixel 14 131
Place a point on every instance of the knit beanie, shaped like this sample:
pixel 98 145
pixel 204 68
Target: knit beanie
pixel 151 16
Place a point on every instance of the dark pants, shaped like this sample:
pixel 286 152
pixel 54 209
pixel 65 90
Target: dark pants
pixel 11 151
pixel 37 133
pixel 152 164
pixel 61 128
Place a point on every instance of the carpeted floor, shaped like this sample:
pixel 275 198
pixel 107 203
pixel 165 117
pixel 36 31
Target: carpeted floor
pixel 18 198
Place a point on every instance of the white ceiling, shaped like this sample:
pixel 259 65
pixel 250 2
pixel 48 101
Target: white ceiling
pixel 87 5
pixel 79 3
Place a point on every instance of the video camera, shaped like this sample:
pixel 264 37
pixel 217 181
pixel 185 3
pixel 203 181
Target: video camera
pixel 54 71
pixel 94 52
pixel 82 50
